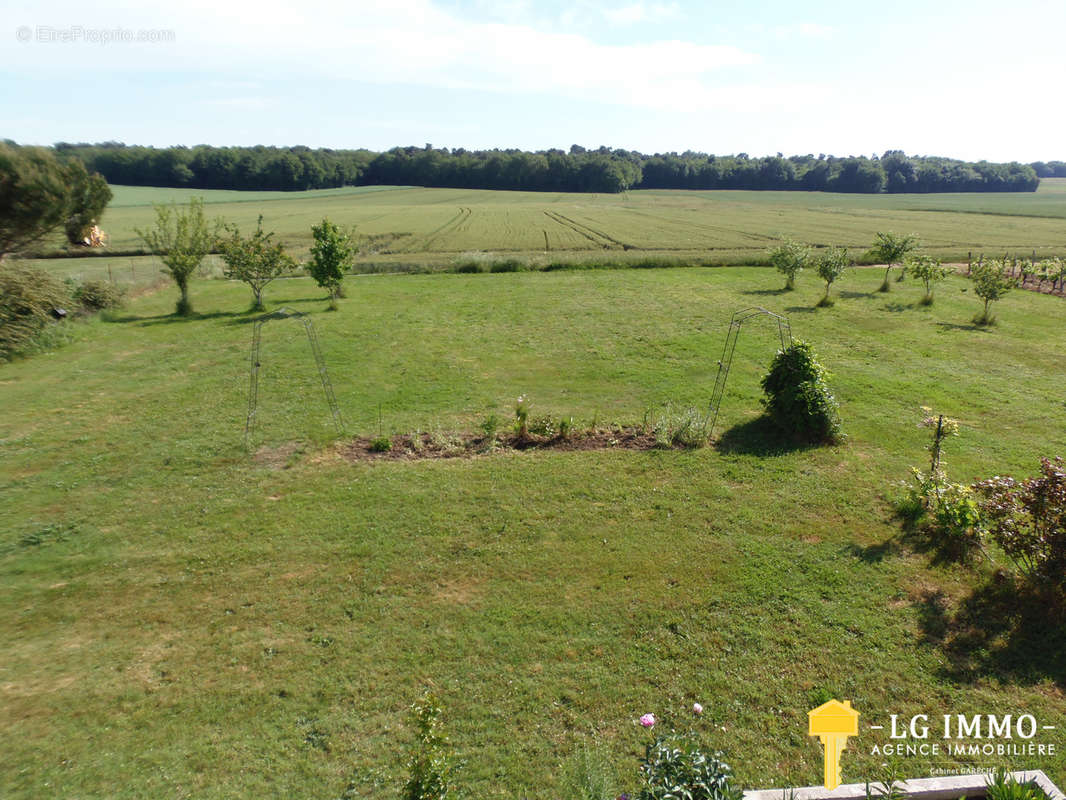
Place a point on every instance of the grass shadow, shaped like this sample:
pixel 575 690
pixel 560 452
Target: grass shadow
pixel 1004 629
pixel 759 437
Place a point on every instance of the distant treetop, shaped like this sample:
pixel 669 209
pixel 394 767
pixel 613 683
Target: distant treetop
pixel 579 169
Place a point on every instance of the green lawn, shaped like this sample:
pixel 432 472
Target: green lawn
pixel 183 620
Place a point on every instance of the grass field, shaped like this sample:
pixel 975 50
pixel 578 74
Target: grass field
pixel 427 229
pixel 184 620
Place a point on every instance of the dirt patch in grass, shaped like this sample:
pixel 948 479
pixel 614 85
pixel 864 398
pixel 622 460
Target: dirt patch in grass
pixel 459 445
pixel 280 456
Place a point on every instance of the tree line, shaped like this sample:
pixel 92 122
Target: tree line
pixel 577 170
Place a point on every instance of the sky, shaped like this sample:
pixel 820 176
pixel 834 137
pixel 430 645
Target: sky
pixel 972 80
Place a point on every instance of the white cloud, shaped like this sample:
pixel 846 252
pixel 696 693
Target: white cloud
pixel 412 42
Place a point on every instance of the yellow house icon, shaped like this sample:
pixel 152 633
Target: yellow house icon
pixel 833 722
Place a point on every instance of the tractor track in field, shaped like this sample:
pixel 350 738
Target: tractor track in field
pixel 704 226
pixel 451 225
pixel 598 238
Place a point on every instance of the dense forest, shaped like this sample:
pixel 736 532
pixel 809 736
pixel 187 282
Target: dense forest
pixel 576 170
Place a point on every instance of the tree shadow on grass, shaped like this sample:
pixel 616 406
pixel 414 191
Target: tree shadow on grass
pixel 1006 629
pixel 898 308
pixel 767 292
pixel 801 310
pixel 172 319
pixel 849 295
pixel 758 437
pixel 951 326
pixel 876 553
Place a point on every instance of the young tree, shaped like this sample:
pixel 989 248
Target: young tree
pixel 891 249
pixel 255 260
pixel 830 265
pixel 991 282
pixel 789 258
pixel 930 272
pixel 331 256
pixel 181 238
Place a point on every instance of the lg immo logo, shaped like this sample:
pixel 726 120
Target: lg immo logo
pixel 947 736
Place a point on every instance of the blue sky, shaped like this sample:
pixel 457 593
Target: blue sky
pixel 966 79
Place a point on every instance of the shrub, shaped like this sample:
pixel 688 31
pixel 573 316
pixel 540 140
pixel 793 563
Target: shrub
pixel 521 417
pixel 797 398
pixel 948 513
pixel 1027 520
pixel 542 426
pixel 28 298
pixel 685 427
pixel 490 426
pixel 566 427
pixel 430 765
pixel 99 295
pixel 676 766
pixel 382 444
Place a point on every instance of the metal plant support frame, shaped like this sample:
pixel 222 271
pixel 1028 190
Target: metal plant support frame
pixel 784 330
pixel 312 338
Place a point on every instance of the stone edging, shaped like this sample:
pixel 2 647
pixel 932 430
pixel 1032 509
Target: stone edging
pixel 916 789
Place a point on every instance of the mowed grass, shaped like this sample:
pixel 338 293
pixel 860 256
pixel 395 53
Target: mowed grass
pixel 183 620
pixel 434 227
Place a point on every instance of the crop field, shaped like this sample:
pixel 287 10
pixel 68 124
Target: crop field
pixel 183 617
pixel 407 227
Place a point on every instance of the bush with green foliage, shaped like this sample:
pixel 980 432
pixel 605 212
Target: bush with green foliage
pixel 1003 786
pixel 521 417
pixel 797 398
pixel 90 195
pixel 40 193
pixel 991 282
pixel 381 444
pixel 99 295
pixel 28 298
pixel 431 767
pixel 948 514
pixel 677 766
pixel 684 427
pixel 830 265
pixel 1027 520
pixel 789 258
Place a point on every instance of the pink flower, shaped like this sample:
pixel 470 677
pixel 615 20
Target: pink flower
pixel 697 709
pixel 648 720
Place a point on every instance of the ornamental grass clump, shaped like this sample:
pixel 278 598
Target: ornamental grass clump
pixel 798 399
